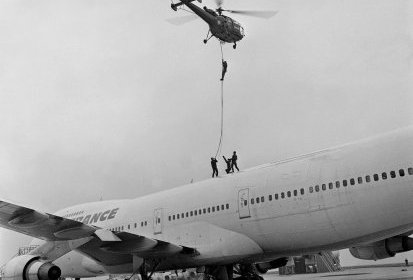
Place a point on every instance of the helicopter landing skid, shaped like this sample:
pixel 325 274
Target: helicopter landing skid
pixel 207 38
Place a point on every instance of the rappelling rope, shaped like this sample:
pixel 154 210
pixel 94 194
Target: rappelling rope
pixel 221 137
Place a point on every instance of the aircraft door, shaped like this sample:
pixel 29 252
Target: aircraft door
pixel 244 204
pixel 157 220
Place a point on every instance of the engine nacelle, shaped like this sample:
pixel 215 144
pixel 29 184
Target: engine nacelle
pixel 264 267
pixel 29 267
pixel 383 249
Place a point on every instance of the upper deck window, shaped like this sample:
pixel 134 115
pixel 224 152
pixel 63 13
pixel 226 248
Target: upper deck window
pixel 368 179
pixel 401 172
pixel 410 170
pixel 384 175
pixel 376 177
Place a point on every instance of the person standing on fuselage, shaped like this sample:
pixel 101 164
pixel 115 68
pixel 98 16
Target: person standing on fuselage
pixel 214 167
pixel 234 161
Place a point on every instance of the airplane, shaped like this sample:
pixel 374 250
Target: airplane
pixel 356 196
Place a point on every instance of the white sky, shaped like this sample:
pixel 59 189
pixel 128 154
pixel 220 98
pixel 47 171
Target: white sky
pixel 104 98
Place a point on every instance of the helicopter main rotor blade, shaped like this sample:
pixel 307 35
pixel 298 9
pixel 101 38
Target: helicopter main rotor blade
pixel 182 19
pixel 259 14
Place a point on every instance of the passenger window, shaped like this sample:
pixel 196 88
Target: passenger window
pixel 289 194
pixel 187 214
pixel 344 183
pixel 192 213
pixel 213 209
pixel 222 207
pixel 169 218
pixel 257 200
pixel 209 208
pixel 317 188
pixel 282 195
pixel 376 177
pixel 401 172
pixel 311 189
pixel 177 216
pixel 410 171
pixel 146 223
pixel 360 180
pixel 337 184
pixel 295 192
pixel 276 196
pixel 323 187
pixel 302 191
pixel 392 174
pixel 270 197
pixel 330 186
pixel 367 178
pixel 228 205
pixel 173 218
pixel 245 204
pixel 204 211
pixel 352 181
pixel 252 201
pixel 128 226
pixel 136 225
pixel 262 199
pixel 384 175
pixel 218 208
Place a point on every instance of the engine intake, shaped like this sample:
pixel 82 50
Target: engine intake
pixel 29 267
pixel 383 249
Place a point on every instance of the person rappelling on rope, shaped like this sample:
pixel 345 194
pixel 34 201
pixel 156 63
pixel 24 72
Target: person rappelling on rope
pixel 228 162
pixel 214 167
pixel 224 69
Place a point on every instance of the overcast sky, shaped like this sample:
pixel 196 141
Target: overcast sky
pixel 106 99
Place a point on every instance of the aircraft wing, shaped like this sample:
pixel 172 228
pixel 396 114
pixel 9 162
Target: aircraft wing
pixel 63 235
pixel 41 225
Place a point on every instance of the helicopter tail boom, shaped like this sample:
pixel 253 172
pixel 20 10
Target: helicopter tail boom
pixel 175 6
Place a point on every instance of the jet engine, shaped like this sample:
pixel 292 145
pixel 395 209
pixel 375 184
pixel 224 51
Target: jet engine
pixel 29 267
pixel 264 267
pixel 383 249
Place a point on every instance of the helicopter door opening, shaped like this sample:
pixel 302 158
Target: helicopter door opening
pixel 244 204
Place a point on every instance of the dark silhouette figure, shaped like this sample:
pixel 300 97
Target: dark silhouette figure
pixel 228 162
pixel 234 161
pixel 224 69
pixel 214 167
pixel 406 261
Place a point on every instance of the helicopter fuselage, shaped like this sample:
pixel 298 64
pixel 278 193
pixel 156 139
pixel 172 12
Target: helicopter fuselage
pixel 222 27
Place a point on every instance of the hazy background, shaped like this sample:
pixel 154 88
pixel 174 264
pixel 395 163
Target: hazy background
pixel 105 99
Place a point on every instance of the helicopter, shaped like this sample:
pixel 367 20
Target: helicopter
pixel 224 28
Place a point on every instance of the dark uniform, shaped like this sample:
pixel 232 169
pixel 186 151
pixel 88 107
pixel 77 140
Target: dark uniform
pixel 234 161
pixel 224 69
pixel 228 162
pixel 214 167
